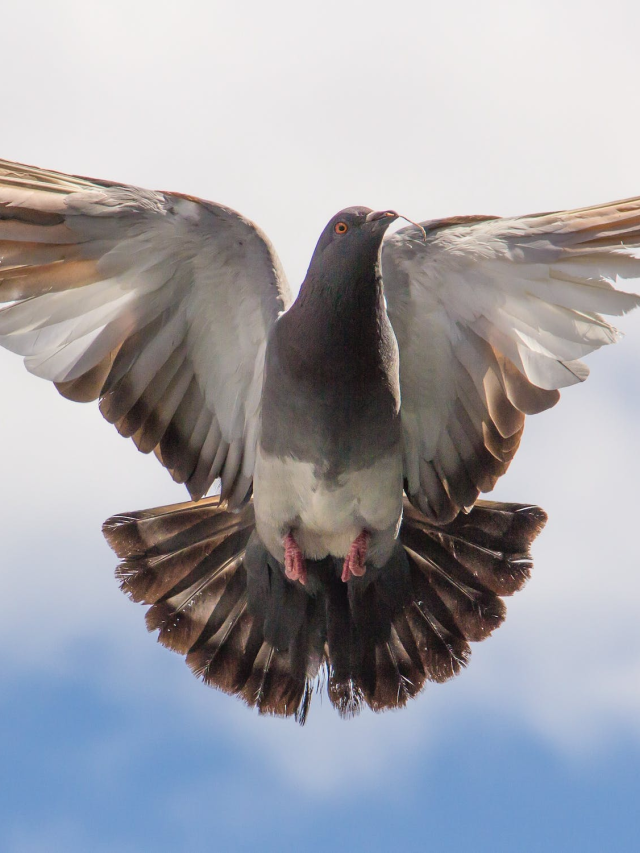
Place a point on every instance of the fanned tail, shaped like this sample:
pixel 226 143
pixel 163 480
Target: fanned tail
pixel 221 600
pixel 189 562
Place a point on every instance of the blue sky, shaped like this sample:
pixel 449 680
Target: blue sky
pixel 289 113
pixel 483 787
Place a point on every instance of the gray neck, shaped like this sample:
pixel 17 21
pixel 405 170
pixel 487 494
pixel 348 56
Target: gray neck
pixel 338 316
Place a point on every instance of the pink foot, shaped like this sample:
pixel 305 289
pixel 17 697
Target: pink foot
pixel 295 567
pixel 354 561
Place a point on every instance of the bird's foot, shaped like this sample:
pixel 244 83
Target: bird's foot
pixel 295 566
pixel 354 562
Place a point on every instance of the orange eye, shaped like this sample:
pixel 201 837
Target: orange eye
pixel 341 228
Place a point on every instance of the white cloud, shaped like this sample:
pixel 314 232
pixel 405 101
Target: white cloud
pixel 288 114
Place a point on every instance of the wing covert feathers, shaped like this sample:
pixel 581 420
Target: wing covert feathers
pixel 216 597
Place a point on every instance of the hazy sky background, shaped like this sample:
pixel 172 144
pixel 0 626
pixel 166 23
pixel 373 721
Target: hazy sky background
pixel 288 112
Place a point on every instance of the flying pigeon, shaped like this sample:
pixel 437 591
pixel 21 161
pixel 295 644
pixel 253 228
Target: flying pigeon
pixel 353 429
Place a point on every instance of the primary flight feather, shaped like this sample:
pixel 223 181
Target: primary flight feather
pixel 352 429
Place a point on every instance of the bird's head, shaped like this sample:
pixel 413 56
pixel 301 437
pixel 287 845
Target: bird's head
pixel 351 239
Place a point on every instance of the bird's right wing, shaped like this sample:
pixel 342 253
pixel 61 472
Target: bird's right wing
pixel 158 304
pixel 491 316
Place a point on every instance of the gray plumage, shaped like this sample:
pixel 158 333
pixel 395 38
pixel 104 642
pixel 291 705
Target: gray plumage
pixel 352 430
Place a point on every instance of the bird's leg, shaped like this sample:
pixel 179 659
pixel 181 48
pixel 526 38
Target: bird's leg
pixel 355 559
pixel 295 567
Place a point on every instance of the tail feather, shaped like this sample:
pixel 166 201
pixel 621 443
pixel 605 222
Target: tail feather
pixel 217 597
pixel 166 529
pixel 444 647
pixel 189 618
pixel 490 544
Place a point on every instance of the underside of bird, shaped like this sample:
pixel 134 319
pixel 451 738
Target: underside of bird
pixel 175 314
pixel 219 598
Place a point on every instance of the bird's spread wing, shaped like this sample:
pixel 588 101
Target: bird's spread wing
pixel 491 317
pixel 157 303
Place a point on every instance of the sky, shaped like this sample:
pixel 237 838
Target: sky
pixel 289 112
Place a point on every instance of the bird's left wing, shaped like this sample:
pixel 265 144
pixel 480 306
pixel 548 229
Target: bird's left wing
pixel 491 317
pixel 158 304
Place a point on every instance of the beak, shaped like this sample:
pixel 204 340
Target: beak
pixel 387 216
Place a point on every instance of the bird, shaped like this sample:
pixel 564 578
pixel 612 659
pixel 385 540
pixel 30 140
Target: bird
pixel 351 430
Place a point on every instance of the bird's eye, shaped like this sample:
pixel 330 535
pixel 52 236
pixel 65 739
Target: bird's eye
pixel 341 228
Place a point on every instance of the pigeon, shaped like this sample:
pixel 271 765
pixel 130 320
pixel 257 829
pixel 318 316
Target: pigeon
pixel 351 430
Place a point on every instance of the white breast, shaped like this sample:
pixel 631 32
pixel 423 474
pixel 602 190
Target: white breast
pixel 326 516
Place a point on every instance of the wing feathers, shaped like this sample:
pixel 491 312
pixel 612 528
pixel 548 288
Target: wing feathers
pixel 158 303
pixel 492 317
